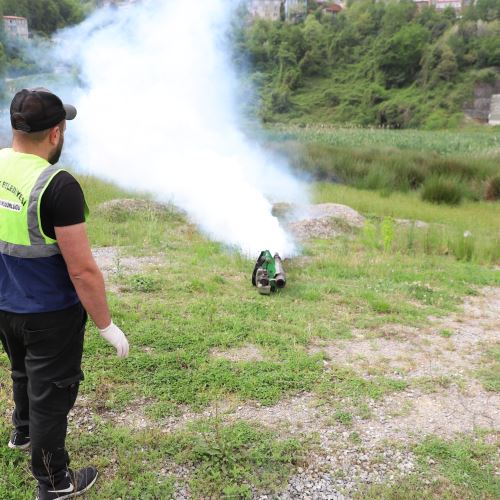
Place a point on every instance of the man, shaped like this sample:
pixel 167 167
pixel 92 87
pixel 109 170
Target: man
pixel 49 281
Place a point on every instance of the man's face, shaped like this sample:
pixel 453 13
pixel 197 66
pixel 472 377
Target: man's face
pixel 56 153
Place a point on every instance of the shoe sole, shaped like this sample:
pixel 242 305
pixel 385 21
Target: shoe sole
pixel 77 493
pixel 13 446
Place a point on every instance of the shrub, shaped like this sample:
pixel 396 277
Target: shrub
pixel 442 190
pixel 492 192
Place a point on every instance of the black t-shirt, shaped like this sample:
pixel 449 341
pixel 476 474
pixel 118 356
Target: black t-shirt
pixel 62 203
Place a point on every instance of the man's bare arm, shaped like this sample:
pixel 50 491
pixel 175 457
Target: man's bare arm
pixel 84 272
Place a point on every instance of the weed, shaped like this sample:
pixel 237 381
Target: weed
pixel 343 417
pixel 370 235
pixel 387 230
pixel 489 373
pixel 492 191
pixel 355 438
pixel 445 333
pixel 233 458
pixel 432 384
pixel 143 283
pixel 442 190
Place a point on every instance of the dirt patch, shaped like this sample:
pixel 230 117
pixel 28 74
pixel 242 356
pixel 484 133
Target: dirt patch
pixel 324 220
pixel 327 220
pixel 333 210
pixel 248 352
pixel 411 415
pixel 425 352
pixel 112 262
pixel 418 224
pixel 84 413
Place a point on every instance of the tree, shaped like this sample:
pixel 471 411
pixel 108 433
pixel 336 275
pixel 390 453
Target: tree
pixel 399 57
pixel 488 10
pixel 315 57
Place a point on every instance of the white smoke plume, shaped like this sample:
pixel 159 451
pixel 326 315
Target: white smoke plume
pixel 158 112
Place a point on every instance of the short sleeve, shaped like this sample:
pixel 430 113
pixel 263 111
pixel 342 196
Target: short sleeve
pixel 62 203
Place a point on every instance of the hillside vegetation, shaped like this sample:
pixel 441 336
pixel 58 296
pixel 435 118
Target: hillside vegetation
pixel 374 64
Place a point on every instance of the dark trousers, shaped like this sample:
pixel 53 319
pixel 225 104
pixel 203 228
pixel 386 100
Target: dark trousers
pixel 45 352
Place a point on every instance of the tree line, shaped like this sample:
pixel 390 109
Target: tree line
pixel 45 16
pixel 375 63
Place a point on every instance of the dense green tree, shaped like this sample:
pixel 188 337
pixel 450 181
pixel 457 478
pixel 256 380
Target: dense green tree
pixel 315 57
pixel 488 10
pixel 400 55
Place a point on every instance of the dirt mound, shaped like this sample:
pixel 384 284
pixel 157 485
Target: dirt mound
pixel 121 207
pixel 333 210
pixel 324 220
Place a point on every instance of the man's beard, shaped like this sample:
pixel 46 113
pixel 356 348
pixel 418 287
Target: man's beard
pixel 56 154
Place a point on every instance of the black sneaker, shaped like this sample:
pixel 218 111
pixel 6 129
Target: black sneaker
pixel 19 441
pixel 75 483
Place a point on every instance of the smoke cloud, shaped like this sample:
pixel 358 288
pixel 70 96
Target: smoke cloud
pixel 158 111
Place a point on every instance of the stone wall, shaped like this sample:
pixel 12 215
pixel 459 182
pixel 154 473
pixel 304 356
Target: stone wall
pixel 494 118
pixel 479 107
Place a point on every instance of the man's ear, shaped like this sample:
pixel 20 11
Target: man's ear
pixel 54 135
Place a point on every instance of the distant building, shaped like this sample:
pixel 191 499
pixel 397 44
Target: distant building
pixel 456 5
pixel 443 4
pixel 333 8
pixel 266 9
pixel 294 8
pixel 116 3
pixel 16 27
pixel 494 116
pixel 273 9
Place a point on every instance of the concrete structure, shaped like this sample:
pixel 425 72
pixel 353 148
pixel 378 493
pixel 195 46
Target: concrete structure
pixel 295 8
pixel 16 27
pixel 494 116
pixel 271 9
pixel 443 4
pixel 484 106
pixel 116 3
pixel 265 9
pixel 456 5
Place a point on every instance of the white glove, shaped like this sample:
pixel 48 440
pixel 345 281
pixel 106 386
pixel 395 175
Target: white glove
pixel 116 338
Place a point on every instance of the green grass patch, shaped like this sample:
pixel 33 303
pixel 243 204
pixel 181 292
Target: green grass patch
pixel 489 373
pixel 466 463
pixel 470 232
pixel 460 468
pixel 383 161
pixel 230 461
pixel 344 383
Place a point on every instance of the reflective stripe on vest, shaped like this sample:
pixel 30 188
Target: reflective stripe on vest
pixel 39 246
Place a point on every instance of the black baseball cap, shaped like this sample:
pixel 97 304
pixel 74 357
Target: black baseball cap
pixel 34 110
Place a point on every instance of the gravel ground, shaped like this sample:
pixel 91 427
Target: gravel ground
pixel 376 449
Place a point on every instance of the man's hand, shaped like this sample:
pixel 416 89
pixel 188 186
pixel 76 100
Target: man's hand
pixel 116 338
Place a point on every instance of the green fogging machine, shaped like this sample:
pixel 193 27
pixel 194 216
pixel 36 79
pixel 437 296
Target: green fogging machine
pixel 268 274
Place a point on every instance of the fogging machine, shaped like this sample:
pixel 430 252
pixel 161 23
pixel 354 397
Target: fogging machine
pixel 268 274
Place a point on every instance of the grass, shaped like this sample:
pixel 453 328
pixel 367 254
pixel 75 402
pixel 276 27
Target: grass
pixel 197 297
pixel 489 373
pixel 469 232
pixel 460 468
pixel 480 141
pixel 436 177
